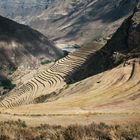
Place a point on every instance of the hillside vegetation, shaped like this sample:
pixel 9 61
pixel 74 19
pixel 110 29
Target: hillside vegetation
pixel 22 47
pixel 11 130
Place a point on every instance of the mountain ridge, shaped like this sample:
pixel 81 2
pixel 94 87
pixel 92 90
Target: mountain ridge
pixel 69 22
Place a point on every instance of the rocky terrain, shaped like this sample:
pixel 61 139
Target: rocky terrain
pixel 98 82
pixel 82 22
pixel 23 48
pixel 70 22
pixel 22 10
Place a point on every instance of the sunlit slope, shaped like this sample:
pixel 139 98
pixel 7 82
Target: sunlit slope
pixel 86 81
pixel 113 91
pixel 49 80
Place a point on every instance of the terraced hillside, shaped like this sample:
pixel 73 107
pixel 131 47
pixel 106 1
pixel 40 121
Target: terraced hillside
pixel 113 91
pixel 49 80
pixel 22 47
pixel 110 97
pixel 102 84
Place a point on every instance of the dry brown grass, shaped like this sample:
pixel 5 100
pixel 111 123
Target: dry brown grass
pixel 18 130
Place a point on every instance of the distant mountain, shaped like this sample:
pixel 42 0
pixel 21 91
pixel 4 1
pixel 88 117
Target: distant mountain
pixel 70 22
pixel 21 10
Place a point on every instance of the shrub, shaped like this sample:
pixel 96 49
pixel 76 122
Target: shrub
pixel 19 130
pixel 45 62
pixel 12 69
pixel 6 83
pixel 21 123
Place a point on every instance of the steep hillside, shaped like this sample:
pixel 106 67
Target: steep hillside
pixel 21 46
pixel 70 22
pixel 82 64
pixel 21 10
pixel 61 94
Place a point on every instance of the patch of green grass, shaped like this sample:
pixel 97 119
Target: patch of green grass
pixel 46 62
pixel 7 84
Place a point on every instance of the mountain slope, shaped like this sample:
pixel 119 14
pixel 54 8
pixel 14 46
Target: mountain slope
pixel 70 22
pixel 22 9
pixel 113 91
pixel 82 64
pixel 81 22
pixel 21 46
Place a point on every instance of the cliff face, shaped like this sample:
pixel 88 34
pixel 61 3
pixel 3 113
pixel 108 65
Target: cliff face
pixel 81 22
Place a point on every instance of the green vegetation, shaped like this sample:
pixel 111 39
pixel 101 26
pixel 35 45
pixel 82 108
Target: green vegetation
pixel 1 67
pixel 118 58
pixel 46 62
pixel 7 84
pixel 76 46
pixel 65 53
pixel 8 69
pixel 14 130
pixel 12 69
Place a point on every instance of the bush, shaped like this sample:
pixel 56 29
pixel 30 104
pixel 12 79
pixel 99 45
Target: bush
pixel 6 83
pixel 45 62
pixel 12 69
pixel 21 123
pixel 19 130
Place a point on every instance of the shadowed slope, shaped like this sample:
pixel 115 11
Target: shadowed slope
pixel 21 46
